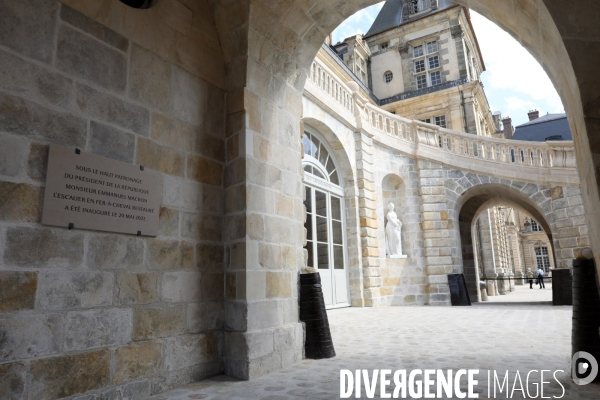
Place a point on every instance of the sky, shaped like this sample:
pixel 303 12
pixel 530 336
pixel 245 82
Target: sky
pixel 514 81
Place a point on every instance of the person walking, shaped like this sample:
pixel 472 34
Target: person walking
pixel 530 277
pixel 540 273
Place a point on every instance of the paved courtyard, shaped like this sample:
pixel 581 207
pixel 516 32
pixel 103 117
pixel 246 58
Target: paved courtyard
pixel 497 335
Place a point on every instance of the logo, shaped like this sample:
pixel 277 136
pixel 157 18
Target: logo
pixel 584 368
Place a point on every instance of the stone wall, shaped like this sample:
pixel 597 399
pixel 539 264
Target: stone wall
pixel 101 313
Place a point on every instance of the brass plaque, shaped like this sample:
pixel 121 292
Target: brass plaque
pixel 94 192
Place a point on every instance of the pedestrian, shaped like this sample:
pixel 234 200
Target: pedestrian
pixel 540 273
pixel 530 278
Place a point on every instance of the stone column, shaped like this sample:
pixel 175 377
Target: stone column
pixel 436 227
pixel 367 200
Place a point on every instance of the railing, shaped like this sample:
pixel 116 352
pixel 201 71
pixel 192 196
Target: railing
pixel 332 85
pixel 559 154
pixel 536 154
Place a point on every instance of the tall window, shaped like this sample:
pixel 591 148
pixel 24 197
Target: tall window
pixel 427 65
pixel 360 67
pixel 325 231
pixel 535 227
pixel 542 258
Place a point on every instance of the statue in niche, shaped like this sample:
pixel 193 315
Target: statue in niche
pixel 392 234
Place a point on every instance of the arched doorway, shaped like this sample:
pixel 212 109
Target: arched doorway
pixel 325 219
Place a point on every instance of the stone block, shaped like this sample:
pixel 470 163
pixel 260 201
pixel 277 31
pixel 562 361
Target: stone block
pixel 37 162
pixel 212 285
pixel 35 247
pixel 101 32
pixel 209 257
pixel 26 118
pixel 85 58
pixel 112 109
pixel 269 256
pixel 20 202
pixel 279 284
pixel 17 290
pixel 31 80
pixel 111 142
pixel 29 336
pixel 158 322
pixel 79 289
pixel 169 254
pixel 115 252
pixel 201 226
pixel 204 170
pixel 137 361
pixel 136 288
pixel 168 222
pixel 68 375
pixel 188 97
pixel 189 350
pixel 236 316
pixel 98 328
pixel 181 193
pixel 210 146
pixel 160 158
pixel 284 338
pixel 12 381
pixel 203 317
pixel 149 79
pixel 259 344
pixel 174 132
pixel 181 286
pixel 28 27
pixel 265 314
pixel 13 152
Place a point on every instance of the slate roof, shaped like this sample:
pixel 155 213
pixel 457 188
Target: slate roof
pixel 544 127
pixel 390 16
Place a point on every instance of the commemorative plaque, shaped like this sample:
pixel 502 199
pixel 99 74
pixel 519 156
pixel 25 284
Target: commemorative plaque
pixel 87 191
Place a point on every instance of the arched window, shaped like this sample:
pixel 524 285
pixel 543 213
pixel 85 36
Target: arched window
pixel 388 76
pixel 325 220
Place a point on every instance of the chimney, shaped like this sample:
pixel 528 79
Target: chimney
pixel 508 129
pixel 534 114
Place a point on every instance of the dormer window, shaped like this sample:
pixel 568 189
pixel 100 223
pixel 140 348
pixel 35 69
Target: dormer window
pixel 384 46
pixel 416 6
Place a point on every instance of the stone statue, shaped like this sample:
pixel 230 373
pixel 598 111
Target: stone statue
pixel 392 234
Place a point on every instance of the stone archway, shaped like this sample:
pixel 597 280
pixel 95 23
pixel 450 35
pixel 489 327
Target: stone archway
pixel 268 47
pixel 539 201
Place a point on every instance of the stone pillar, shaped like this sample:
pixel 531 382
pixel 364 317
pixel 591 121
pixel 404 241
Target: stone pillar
pixel 436 227
pixel 367 200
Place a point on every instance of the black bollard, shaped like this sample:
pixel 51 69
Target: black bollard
pixel 312 312
pixel 586 310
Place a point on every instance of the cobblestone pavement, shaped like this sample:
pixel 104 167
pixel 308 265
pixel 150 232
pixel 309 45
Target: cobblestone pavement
pixel 487 336
pixel 522 293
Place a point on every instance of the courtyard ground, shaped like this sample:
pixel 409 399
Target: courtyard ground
pixel 520 331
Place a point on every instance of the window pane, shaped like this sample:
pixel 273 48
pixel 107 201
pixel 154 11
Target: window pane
pixel 308 168
pixel 420 66
pixel 421 81
pixel 307 144
pixel 336 208
pixel 315 148
pixel 321 203
pixel 330 166
pixel 323 155
pixel 334 178
pixel 336 230
pixel 309 227
pixel 436 78
pixel 418 51
pixel 318 173
pixel 308 201
pixel 338 257
pixel 434 62
pixel 432 47
pixel 321 229
pixel 310 260
pixel 441 121
pixel 322 256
